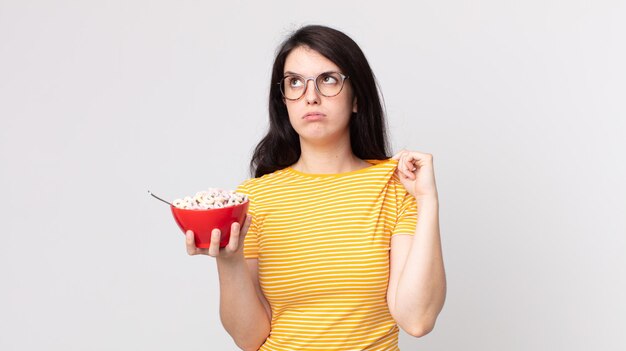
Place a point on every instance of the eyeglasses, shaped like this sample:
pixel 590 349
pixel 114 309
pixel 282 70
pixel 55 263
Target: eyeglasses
pixel 329 84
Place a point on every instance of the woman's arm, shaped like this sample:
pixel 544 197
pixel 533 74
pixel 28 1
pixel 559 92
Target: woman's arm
pixel 417 283
pixel 242 313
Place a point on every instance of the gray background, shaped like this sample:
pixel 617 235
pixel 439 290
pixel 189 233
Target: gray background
pixel 520 102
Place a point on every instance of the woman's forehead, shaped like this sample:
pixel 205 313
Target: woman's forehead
pixel 307 62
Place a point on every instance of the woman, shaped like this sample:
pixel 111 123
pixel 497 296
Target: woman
pixel 331 255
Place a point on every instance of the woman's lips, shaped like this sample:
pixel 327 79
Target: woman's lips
pixel 314 116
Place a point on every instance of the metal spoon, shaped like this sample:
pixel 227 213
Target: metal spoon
pixel 159 198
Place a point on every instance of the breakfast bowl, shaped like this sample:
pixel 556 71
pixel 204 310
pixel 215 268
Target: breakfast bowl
pixel 203 221
pixel 209 210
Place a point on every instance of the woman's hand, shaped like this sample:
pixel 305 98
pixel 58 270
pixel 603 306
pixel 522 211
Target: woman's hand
pixel 235 242
pixel 415 170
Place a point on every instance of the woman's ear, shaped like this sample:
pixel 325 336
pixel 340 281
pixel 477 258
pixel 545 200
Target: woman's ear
pixel 354 105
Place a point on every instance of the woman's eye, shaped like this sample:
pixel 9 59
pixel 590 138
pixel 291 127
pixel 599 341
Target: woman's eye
pixel 295 83
pixel 329 79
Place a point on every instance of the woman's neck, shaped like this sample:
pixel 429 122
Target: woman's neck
pixel 331 160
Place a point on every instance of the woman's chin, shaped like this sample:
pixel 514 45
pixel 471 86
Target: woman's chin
pixel 318 138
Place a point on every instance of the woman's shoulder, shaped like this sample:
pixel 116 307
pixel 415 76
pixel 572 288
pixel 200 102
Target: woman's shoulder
pixel 269 179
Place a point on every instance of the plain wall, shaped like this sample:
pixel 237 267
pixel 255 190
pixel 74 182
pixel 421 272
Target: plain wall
pixel 522 104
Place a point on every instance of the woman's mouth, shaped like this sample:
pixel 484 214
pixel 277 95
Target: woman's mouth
pixel 314 116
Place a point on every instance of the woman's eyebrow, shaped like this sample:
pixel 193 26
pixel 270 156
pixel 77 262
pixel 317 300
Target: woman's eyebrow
pixel 289 72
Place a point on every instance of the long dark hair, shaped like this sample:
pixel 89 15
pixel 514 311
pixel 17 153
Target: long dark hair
pixel 368 131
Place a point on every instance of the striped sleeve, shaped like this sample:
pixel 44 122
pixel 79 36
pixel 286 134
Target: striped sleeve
pixel 250 244
pixel 406 218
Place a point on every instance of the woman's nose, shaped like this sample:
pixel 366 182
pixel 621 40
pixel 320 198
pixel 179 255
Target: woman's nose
pixel 311 94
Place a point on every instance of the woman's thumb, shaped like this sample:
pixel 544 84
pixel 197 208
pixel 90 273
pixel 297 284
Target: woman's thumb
pixel 245 226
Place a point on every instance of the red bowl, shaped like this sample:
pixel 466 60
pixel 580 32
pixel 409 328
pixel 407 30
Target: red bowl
pixel 202 222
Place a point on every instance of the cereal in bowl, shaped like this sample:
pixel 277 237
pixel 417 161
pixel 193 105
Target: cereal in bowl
pixel 209 199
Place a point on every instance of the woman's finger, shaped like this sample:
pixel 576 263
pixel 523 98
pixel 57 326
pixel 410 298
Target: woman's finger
pixel 246 226
pixel 399 154
pixel 214 246
pixel 410 166
pixel 233 242
pixel 403 165
pixel 189 242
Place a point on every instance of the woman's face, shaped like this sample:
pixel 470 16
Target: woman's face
pixel 336 110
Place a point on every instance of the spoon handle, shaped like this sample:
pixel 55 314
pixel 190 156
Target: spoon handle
pixel 159 198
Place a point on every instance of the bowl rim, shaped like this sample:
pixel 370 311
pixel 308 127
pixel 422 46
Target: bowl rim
pixel 209 209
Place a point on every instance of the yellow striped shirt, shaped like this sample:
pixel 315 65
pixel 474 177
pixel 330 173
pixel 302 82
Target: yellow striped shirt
pixel 322 242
